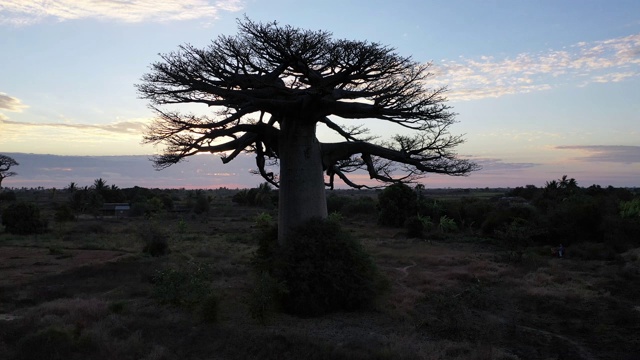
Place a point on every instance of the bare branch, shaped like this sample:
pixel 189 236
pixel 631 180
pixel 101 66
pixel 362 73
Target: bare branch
pixel 268 74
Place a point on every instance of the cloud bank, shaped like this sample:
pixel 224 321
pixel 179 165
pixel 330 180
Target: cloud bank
pixel 612 60
pixel 606 153
pixel 10 103
pixel 27 12
pixel 122 127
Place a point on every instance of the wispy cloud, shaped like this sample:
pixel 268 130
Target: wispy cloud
pixel 612 60
pixel 10 103
pixel 491 165
pixel 26 12
pixel 122 127
pixel 606 153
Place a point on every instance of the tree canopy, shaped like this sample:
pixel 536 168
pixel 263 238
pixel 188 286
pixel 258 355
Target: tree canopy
pixel 6 163
pixel 269 74
pixel 271 86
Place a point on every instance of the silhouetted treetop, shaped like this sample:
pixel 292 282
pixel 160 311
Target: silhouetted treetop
pixel 269 87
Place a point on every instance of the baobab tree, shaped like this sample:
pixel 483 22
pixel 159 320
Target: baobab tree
pixel 6 162
pixel 270 87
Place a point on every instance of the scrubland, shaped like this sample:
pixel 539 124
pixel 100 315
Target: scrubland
pixel 178 282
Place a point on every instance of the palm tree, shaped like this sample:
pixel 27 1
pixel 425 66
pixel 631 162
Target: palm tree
pixel 72 187
pixel 99 185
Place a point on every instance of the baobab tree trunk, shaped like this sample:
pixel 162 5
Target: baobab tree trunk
pixel 302 191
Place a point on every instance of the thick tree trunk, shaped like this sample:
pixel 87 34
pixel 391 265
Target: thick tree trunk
pixel 302 191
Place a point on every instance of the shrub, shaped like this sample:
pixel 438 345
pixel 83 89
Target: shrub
pixel 414 227
pixel 361 205
pixel 202 204
pixel 7 196
pixel 503 214
pixel 447 224
pixel 621 234
pixel 335 203
pixel 349 206
pixel 396 203
pixel 324 270
pixel 515 238
pixel 263 220
pixel 576 219
pixel 23 218
pixel 139 209
pixel 64 213
pixel 156 242
pixel 264 295
pixel 430 207
pixel 630 209
pixel 335 217
pixel 263 196
pixel 187 287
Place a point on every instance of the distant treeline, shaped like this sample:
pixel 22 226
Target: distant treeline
pixel 560 212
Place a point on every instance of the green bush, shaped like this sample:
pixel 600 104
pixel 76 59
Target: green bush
pixel 396 203
pixel 23 219
pixel 323 268
pixel 335 217
pixel 630 209
pixel 185 287
pixel 263 220
pixel 447 224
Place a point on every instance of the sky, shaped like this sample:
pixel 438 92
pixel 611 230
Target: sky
pixel 541 88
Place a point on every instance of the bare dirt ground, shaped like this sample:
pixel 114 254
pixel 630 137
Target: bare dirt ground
pixel 19 265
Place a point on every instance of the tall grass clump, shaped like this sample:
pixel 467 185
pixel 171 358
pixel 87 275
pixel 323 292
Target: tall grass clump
pixel 322 269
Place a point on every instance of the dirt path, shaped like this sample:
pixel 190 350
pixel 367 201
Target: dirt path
pixel 405 270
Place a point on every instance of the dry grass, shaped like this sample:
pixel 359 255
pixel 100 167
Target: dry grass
pixel 447 300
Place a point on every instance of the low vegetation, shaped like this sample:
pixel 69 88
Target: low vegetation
pixel 466 274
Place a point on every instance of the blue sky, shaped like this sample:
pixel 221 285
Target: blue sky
pixel 541 88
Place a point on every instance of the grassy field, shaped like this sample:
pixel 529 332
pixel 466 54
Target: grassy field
pixel 85 290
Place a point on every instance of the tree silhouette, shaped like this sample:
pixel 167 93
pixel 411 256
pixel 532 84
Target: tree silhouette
pixel 272 86
pixel 100 185
pixel 72 187
pixel 6 162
